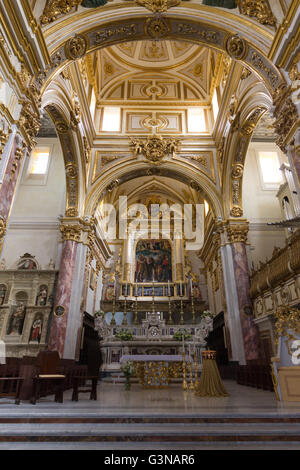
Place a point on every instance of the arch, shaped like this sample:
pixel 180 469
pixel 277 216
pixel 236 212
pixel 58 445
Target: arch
pixel 58 105
pixel 191 23
pixel 251 108
pixel 182 171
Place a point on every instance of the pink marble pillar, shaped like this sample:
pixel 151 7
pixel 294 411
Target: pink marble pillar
pixel 8 186
pixel 63 297
pixel 249 329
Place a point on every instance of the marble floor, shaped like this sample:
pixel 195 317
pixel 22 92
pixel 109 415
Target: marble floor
pixel 119 417
pixel 113 400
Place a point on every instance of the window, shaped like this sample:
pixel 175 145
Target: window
pixel 111 119
pixel 270 168
pixel 196 120
pixel 215 105
pixel 206 207
pixel 39 160
pixel 93 104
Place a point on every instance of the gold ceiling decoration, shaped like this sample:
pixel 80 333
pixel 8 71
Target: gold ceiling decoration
pixel 156 27
pixel 56 8
pixel 259 9
pixel 155 147
pixel 158 6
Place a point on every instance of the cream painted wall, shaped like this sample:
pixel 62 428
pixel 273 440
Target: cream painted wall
pixel 34 222
pixel 261 206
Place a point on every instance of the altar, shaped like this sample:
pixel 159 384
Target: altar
pixel 153 338
pixel 156 371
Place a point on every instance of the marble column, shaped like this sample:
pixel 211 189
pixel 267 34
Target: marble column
pixel 237 235
pixel 63 297
pixel 10 179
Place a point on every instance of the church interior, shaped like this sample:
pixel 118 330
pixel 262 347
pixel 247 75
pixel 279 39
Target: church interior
pixel 149 224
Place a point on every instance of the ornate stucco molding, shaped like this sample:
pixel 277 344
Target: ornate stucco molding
pixel 286 116
pixel 19 154
pixel 155 148
pixel 2 229
pixel 259 9
pixel 237 233
pixel 56 8
pixel 158 6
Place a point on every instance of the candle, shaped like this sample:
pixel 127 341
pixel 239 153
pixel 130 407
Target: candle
pixel 169 288
pixel 126 288
pixel 189 349
pixel 180 287
pixel 183 343
pixel 191 283
pixel 136 289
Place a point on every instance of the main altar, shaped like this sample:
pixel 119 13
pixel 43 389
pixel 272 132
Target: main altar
pixel 152 304
pixel 152 337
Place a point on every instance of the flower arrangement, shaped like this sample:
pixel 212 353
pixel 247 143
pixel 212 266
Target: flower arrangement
pixel 182 334
pixel 128 370
pixel 207 313
pixel 99 313
pixel 124 335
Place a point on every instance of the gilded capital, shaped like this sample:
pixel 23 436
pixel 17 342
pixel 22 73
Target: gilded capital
pixel 2 228
pixel 237 233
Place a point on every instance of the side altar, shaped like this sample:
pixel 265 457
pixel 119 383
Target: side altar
pixel 153 336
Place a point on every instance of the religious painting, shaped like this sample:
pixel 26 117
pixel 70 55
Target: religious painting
pixel 41 298
pixel 153 261
pixel 2 293
pixel 36 329
pixel 16 322
pixel 109 292
pixel 27 262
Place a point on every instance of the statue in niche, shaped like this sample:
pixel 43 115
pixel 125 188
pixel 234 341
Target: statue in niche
pixel 36 329
pixel 3 290
pixel 41 298
pixel 3 265
pixel 16 322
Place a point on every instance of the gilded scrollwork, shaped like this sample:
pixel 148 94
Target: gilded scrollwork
pixel 287 320
pixel 236 211
pixel 237 233
pixel 259 9
pixel 56 8
pixel 155 148
pixel 158 6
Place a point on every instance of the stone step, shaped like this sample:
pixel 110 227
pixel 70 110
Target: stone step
pixel 151 432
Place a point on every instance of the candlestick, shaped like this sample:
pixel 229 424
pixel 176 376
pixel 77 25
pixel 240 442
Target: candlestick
pixel 184 381
pixel 170 320
pixel 113 321
pixel 124 322
pixel 193 308
pixel 191 386
pixel 135 322
pixel 196 370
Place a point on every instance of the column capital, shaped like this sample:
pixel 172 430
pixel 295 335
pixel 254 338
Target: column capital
pixel 236 231
pixel 76 230
pixel 2 228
